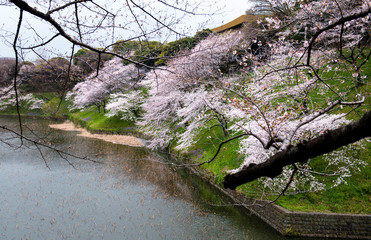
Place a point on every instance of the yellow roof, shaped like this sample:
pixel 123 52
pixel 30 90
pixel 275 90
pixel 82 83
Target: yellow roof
pixel 235 23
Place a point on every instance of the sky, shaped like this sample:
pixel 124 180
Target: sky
pixel 229 10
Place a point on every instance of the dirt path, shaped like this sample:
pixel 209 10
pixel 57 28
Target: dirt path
pixel 117 139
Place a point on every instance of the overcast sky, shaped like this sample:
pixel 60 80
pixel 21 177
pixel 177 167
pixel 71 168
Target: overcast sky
pixel 231 9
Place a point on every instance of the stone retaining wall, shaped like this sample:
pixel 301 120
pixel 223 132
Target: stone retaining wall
pixel 312 224
pixel 301 224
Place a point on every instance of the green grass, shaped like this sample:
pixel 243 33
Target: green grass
pixel 205 148
pixel 48 110
pixel 352 197
pixel 341 80
pixel 96 121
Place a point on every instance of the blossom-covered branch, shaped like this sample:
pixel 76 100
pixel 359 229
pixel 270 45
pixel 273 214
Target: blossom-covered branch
pixel 325 143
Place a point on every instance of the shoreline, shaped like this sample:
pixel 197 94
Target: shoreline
pixel 286 222
pixel 114 138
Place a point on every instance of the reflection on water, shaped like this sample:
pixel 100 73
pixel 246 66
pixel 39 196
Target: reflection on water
pixel 130 196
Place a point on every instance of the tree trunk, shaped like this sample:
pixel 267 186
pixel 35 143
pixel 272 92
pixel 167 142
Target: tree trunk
pixel 329 141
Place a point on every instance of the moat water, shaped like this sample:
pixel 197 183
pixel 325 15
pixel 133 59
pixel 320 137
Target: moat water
pixel 131 194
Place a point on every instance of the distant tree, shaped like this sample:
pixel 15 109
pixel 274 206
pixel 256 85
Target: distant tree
pixel 173 48
pixel 7 67
pixel 88 60
pixel 125 47
pixel 147 52
pixel 54 75
pixel 278 8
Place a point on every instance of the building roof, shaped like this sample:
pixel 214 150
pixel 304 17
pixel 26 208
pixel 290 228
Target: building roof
pixel 236 23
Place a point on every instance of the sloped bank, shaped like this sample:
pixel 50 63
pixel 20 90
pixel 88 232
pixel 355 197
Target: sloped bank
pixel 301 224
pixel 286 222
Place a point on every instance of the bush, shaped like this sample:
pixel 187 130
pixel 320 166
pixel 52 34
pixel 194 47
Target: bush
pixel 50 109
pixel 87 60
pixel 148 52
pixel 125 47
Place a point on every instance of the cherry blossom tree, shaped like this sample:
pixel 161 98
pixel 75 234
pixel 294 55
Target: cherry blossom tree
pixel 178 98
pixel 100 84
pixel 126 105
pixel 26 101
pixel 334 47
pixel 54 75
pixel 282 111
pixel 296 91
pixel 95 26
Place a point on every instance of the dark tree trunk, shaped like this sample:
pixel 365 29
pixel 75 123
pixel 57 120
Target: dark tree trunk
pixel 329 141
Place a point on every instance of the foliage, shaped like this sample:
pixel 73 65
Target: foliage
pixel 143 52
pixel 173 48
pixel 54 108
pixel 148 52
pixel 87 60
pixel 54 75
pixel 7 66
pixel 98 121
pixel 125 47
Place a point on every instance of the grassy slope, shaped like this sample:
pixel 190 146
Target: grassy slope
pixel 96 121
pixel 353 197
pixel 49 110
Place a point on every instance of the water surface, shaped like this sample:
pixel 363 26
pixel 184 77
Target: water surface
pixel 131 195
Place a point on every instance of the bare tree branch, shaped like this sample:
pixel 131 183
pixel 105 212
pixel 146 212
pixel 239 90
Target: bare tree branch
pixel 42 44
pixel 47 17
pixel 38 143
pixel 156 19
pixel 16 71
pixel 333 25
pixel 219 148
pixel 66 5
